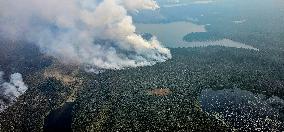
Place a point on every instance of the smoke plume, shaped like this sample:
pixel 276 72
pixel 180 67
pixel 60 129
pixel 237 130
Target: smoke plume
pixel 95 33
pixel 10 91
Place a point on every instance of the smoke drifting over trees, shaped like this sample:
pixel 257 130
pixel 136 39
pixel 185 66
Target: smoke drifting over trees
pixel 10 91
pixel 94 33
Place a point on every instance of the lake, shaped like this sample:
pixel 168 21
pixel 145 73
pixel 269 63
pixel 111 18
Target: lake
pixel 59 119
pixel 171 35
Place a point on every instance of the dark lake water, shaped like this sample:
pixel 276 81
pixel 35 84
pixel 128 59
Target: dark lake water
pixel 243 109
pixel 60 120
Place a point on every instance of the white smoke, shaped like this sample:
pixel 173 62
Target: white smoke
pixel 10 91
pixel 96 33
pixel 140 4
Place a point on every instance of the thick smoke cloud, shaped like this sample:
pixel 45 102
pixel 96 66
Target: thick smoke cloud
pixel 10 91
pixel 95 33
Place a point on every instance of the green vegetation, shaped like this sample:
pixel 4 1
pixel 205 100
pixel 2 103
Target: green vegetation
pixel 118 100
